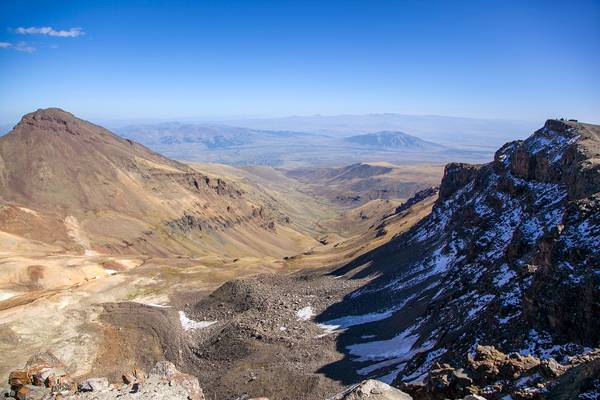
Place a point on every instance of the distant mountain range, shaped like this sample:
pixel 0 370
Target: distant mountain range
pixel 393 140
pixel 207 136
pixel 289 148
pixel 360 183
pixel 325 141
pixel 451 131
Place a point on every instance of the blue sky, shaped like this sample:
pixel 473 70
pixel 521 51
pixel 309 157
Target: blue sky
pixel 155 59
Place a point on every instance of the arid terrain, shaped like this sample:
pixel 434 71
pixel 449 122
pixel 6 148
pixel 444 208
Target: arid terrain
pixel 299 283
pixel 299 200
pixel 119 223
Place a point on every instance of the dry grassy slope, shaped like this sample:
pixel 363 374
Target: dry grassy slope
pixel 382 225
pixel 270 186
pixel 358 184
pixel 127 199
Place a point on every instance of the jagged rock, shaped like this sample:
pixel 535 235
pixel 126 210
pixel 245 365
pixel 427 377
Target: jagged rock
pixel 495 374
pixel 166 370
pixel 46 376
pixel 37 369
pixel 581 376
pixel 450 382
pixel 490 364
pixel 485 369
pixel 134 376
pixel 551 369
pixel 372 390
pixel 60 384
pixel 417 197
pixel 164 382
pixel 32 392
pixel 456 176
pixel 19 378
pixel 44 371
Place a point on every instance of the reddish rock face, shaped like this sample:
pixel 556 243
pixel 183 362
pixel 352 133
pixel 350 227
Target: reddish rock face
pixel 19 378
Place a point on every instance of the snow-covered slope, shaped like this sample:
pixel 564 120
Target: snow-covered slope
pixel 509 256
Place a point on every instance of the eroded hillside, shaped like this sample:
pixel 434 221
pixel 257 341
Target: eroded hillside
pixel 88 218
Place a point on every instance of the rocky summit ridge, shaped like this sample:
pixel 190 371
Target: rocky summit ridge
pixel 509 257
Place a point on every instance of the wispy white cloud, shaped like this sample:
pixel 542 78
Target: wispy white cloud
pixel 49 31
pixel 19 46
pixel 24 47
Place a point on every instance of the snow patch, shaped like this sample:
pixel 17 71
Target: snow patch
pixel 5 294
pixel 304 314
pixel 504 276
pixel 400 346
pixel 189 324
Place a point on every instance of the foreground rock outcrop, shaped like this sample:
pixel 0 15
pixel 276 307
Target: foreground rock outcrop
pixel 372 390
pixel 44 377
pixel 495 375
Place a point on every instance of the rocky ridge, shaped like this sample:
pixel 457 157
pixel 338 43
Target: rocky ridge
pixel 508 257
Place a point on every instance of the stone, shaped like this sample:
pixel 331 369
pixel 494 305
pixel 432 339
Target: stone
pixel 164 369
pixel 60 384
pixel 40 378
pixel 134 376
pixel 94 385
pixel 372 390
pixel 41 360
pixel 167 371
pixel 489 364
pixel 551 369
pixel 19 378
pixel 32 392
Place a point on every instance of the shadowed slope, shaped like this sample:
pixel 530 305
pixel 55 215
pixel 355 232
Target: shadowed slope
pixel 508 257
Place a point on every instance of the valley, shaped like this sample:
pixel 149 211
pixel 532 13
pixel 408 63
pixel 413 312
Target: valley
pixel 298 282
pixel 299 200
pixel 127 225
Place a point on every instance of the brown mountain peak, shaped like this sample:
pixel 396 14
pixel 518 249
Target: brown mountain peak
pixel 52 114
